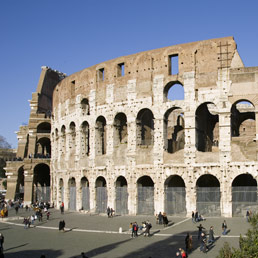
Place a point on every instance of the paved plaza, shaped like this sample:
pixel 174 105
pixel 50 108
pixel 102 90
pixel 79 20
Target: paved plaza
pixel 98 236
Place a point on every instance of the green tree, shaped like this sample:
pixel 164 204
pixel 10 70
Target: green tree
pixel 248 244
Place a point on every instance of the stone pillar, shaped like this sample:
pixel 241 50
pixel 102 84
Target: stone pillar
pixel 189 115
pixel 32 144
pixel 256 133
pixel 92 190
pixel 28 187
pixel 159 197
pixel 159 141
pixel 78 194
pixel 190 189
pixel 11 183
pixel 226 193
pixel 132 198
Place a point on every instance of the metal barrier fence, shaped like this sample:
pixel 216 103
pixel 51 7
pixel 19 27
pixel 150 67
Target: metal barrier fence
pixel 208 201
pixel 101 197
pixel 175 201
pixel 85 198
pixel 42 193
pixel 244 198
pixel 121 201
pixel 145 200
pixel 72 199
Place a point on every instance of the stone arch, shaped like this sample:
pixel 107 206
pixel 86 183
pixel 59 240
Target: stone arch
pixel 85 138
pixel 72 132
pixel 145 127
pixel 43 148
pixel 173 90
pixel 208 195
pixel 44 127
pixel 175 195
pixel 19 192
pixel 85 106
pixel 63 140
pixel 206 126
pixel 174 133
pixel 101 135
pixel 121 196
pixel 101 194
pixel 145 195
pixel 41 182
pixel 85 193
pixel 72 193
pixel 244 194
pixel 120 129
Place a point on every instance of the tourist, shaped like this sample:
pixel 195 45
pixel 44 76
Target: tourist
pixel 203 247
pixel 211 235
pixel 224 228
pixel 200 228
pixel 108 212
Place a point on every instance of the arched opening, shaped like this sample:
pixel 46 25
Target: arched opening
pixel 61 190
pixel 174 91
pixel 72 131
pixel 43 148
pixel 208 195
pixel 19 192
pixel 120 129
pixel 100 129
pixel 174 133
pixel 175 203
pixel 85 106
pixel 44 128
pixel 41 182
pixel 244 194
pixel 121 196
pixel 101 195
pixel 85 139
pixel 63 141
pixel 206 118
pixel 145 188
pixel 243 130
pixel 72 194
pixel 145 127
pixel 85 192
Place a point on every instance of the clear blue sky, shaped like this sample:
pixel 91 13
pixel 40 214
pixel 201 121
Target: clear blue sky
pixel 71 35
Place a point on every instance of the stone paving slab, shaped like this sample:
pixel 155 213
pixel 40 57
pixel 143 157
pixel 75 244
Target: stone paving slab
pixel 98 236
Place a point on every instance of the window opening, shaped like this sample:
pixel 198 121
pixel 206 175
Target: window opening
pixel 121 70
pixel 173 64
pixel 101 74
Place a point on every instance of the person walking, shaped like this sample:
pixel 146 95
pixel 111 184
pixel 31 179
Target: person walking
pixel 224 228
pixel 203 247
pixel 108 212
pixel 200 228
pixel 1 244
pixel 193 219
pixel 187 242
pixel 211 236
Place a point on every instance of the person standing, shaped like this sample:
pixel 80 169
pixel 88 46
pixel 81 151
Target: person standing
pixel 193 219
pixel 1 244
pixel 196 216
pixel 160 217
pixel 247 215
pixel 203 246
pixel 108 212
pixel 187 242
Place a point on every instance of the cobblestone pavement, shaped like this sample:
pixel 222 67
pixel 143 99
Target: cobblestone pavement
pixel 98 236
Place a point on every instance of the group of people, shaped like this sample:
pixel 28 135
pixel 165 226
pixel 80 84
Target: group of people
pixel 110 212
pixel 162 218
pixel 145 228
pixel 196 217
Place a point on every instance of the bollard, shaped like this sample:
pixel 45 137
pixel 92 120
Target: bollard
pixel 120 230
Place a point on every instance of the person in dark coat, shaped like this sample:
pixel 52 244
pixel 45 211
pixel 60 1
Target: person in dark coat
pixel 187 242
pixel 200 228
pixel 211 235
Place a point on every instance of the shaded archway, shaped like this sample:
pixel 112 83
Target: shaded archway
pixel 175 203
pixel 145 195
pixel 100 139
pixel 206 118
pixel 63 141
pixel 174 135
pixel 145 127
pixel 244 194
pixel 43 148
pixel 85 106
pixel 120 129
pixel 41 182
pixel 101 194
pixel 208 195
pixel 19 192
pixel 72 137
pixel 85 193
pixel 44 128
pixel 72 193
pixel 121 196
pixel 85 139
pixel 61 190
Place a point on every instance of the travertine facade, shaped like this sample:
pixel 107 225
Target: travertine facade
pixel 121 138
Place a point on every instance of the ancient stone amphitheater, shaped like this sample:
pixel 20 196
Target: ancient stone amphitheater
pixel 171 129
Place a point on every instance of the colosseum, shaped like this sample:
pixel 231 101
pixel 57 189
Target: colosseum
pixel 172 129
